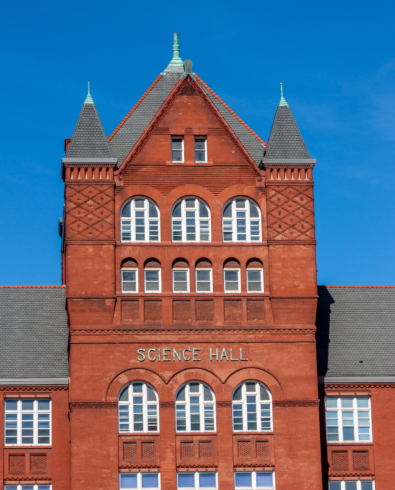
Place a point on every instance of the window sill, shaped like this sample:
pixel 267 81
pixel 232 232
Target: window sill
pixel 348 443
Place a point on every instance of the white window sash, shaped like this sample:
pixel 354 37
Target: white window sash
pixel 339 411
pixel 160 281
pixel 202 404
pixel 187 281
pixel 196 280
pixel 131 221
pixel 139 479
pixel 129 404
pixel 182 149
pixel 196 480
pixel 205 149
pixel 183 219
pixel 258 404
pixel 238 282
pixel 35 413
pixel 254 481
pixel 137 280
pixel 248 218
pixel 248 282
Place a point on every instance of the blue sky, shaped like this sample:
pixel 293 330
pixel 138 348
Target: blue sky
pixel 336 60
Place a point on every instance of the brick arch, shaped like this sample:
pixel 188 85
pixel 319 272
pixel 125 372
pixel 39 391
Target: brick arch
pixel 180 263
pixel 231 263
pixel 254 374
pixel 139 190
pixel 129 262
pixel 254 263
pixel 240 191
pixel 135 374
pixel 152 263
pixel 205 375
pixel 203 262
pixel 191 190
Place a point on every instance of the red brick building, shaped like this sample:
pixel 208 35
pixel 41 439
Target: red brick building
pixel 188 356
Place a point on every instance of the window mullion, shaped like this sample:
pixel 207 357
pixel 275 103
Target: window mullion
pixel 355 420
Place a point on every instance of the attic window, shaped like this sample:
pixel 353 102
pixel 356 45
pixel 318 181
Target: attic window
pixel 177 149
pixel 200 149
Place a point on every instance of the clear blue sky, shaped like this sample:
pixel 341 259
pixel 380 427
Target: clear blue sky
pixel 337 62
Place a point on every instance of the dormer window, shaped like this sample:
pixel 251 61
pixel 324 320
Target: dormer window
pixel 200 149
pixel 177 149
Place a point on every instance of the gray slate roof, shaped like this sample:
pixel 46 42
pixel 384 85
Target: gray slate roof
pixel 285 140
pixel 356 324
pixel 126 137
pixel 89 139
pixel 33 332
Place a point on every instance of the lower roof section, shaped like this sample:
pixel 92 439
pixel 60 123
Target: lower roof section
pixel 33 381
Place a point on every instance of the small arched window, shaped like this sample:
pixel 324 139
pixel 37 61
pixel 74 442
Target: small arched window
pixel 140 221
pixel 252 408
pixel 195 408
pixel 191 221
pixel 241 221
pixel 138 408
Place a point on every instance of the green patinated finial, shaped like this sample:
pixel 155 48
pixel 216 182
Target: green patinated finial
pixel 89 99
pixel 176 61
pixel 283 102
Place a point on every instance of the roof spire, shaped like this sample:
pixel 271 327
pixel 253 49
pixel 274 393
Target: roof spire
pixel 176 61
pixel 283 102
pixel 89 99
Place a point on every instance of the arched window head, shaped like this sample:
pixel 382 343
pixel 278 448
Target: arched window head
pixel 138 408
pixel 241 221
pixel 195 408
pixel 252 408
pixel 140 221
pixel 191 221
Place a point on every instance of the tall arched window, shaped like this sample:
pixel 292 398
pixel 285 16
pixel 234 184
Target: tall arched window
pixel 191 221
pixel 252 407
pixel 241 221
pixel 140 221
pixel 138 408
pixel 195 408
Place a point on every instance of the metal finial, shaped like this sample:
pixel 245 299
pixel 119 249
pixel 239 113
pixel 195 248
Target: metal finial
pixel 176 61
pixel 89 99
pixel 283 102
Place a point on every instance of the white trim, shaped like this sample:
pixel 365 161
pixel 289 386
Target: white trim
pixel 196 479
pixel 253 480
pixel 238 280
pixel 139 479
pixel 177 221
pixel 33 381
pixel 262 286
pixel 355 379
pixel 211 280
pixel 202 404
pixel 35 421
pixel 130 221
pixel 339 411
pixel 137 280
pixel 182 149
pixel 129 404
pixel 258 402
pixel 188 281
pixel 231 221
pixel 205 148
pixel 160 280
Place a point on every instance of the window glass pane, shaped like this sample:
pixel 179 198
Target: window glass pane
pixel 207 480
pixel 363 402
pixel 44 487
pixel 254 275
pixel 151 275
pixel 27 487
pixel 203 275
pixel 207 394
pixel 124 397
pixel 243 479
pixel 335 485
pixel 366 485
pixel 128 481
pixel 189 203
pixel 228 210
pixel 177 211
pixel 139 203
pixel 153 212
pixel 149 481
pixel 180 275
pixel 351 485
pixel 346 402
pixel 151 396
pixel 331 402
pixel 181 395
pixel 264 479
pixel 11 487
pixel 203 210
pixel 237 394
pixel 186 480
pixel 176 143
pixel 11 404
pixel 126 211
pixel 250 387
pixel 129 275
pixel 27 404
pixel 240 203
pixel 254 213
pixel 231 275
pixel 43 404
pixel 194 388
pixel 264 393
pixel 137 387
pixel 200 143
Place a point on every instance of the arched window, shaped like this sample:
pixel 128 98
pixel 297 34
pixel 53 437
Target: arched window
pixel 140 221
pixel 181 276
pixel 252 407
pixel 254 276
pixel 138 408
pixel 195 408
pixel 241 221
pixel 191 221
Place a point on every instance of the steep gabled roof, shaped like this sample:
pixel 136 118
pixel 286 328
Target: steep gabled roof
pixel 33 332
pixel 356 324
pixel 89 139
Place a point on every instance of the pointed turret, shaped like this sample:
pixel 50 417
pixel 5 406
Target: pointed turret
pixel 285 143
pixel 89 139
pixel 176 65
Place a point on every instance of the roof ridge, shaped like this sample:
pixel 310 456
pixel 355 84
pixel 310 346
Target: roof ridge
pixel 49 286
pixel 366 286
pixel 230 110
pixel 134 107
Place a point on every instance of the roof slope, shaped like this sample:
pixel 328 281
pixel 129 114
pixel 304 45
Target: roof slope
pixel 356 324
pixel 89 139
pixel 33 332
pixel 285 140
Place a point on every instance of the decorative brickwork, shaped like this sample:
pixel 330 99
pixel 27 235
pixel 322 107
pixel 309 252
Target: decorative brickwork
pixel 130 312
pixel 340 460
pixel 38 463
pixel 294 310
pixel 360 460
pixel 262 449
pixel 147 451
pixel 187 451
pixel 291 213
pixel 233 311
pixel 255 310
pixel 188 90
pixel 181 310
pixel 206 450
pixel 130 451
pixel 152 311
pixel 16 464
pixel 90 212
pixel 204 310
pixel 244 449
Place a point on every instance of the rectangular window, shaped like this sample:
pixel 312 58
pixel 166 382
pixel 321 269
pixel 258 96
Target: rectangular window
pixel 232 280
pixel 152 280
pixel 27 422
pixel 129 280
pixel 204 281
pixel 348 419
pixel 254 480
pixel 177 149
pixel 254 281
pixel 27 486
pixel 197 480
pixel 200 149
pixel 139 480
pixel 180 281
pixel 351 485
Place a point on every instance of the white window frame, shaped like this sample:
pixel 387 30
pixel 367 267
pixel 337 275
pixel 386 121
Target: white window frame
pixel 131 221
pixel 244 401
pixel 182 149
pixel 196 475
pixel 139 479
pixel 202 405
pixel 40 486
pixel 205 148
pixel 339 411
pixel 130 269
pixel 183 219
pixel 231 222
pixel 239 281
pixel 196 280
pixel 35 412
pixel 188 281
pixel 160 280
pixel 254 480
pixel 129 404
pixel 343 483
pixel 262 286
